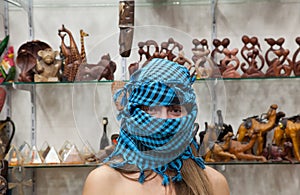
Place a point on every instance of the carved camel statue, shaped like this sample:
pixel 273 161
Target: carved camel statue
pixel 219 151
pixel 288 128
pixel 253 123
pixel 239 149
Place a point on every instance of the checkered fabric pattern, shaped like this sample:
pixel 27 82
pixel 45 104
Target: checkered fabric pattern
pixel 155 143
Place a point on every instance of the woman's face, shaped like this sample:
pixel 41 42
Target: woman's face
pixel 164 112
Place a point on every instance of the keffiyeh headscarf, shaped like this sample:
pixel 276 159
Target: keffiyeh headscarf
pixel 152 143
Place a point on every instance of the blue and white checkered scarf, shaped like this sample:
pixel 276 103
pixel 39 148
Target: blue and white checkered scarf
pixel 154 143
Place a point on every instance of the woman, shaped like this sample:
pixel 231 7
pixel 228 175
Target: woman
pixel 157 151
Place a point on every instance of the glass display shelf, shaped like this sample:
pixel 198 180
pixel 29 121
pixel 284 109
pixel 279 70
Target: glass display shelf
pixel 252 163
pixel 142 3
pixel 56 166
pixel 291 78
pixel 231 163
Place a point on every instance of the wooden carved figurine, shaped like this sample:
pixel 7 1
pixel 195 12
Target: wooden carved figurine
pixel 48 67
pixel 288 128
pixel 219 151
pixel 217 53
pixel 104 69
pixel 278 153
pixel 82 52
pixel 203 64
pixel 240 150
pixel 182 60
pixel 145 49
pixel 150 49
pixel 250 53
pixel 277 59
pixel 231 63
pixel 126 23
pixel 26 62
pixel 255 123
pixel 296 60
pixel 27 58
pixel 170 47
pixel 71 54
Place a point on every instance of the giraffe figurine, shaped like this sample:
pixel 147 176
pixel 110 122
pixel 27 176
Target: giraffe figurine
pixel 71 53
pixel 82 53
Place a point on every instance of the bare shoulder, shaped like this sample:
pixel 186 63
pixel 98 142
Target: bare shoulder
pixel 100 180
pixel 218 181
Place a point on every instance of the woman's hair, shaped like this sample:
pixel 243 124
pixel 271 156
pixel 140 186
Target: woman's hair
pixel 194 179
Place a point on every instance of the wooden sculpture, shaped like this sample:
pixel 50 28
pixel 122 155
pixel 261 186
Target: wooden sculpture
pixel 219 151
pixel 288 128
pixel 126 24
pixel 217 53
pixel 105 68
pixel 168 48
pixel 231 63
pixel 203 64
pixel 254 60
pixel 276 153
pixel 27 57
pixel 277 59
pixel 241 150
pixel 82 52
pixel 255 123
pixel 48 67
pixel 71 54
pixel 182 60
pixel 296 61
pixel 150 49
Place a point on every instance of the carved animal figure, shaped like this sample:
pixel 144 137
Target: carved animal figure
pixel 219 151
pixel 82 53
pixel 277 153
pixel 254 123
pixel 48 66
pixel 240 150
pixel 104 69
pixel 71 53
pixel 288 128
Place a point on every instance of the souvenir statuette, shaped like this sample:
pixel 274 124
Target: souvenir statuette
pixel 71 54
pixel 255 123
pixel 254 59
pixel 126 23
pixel 279 65
pixel 296 60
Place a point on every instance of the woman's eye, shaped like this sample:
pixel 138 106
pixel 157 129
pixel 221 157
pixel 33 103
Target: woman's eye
pixel 175 110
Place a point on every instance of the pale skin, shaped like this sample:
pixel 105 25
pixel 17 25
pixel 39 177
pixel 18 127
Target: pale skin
pixel 107 181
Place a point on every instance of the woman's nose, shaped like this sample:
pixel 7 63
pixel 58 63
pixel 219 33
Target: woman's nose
pixel 163 112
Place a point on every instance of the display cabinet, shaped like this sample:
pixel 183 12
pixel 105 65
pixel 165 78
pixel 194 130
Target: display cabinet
pixel 57 112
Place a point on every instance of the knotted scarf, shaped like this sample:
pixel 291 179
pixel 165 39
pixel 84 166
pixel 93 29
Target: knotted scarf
pixel 152 143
